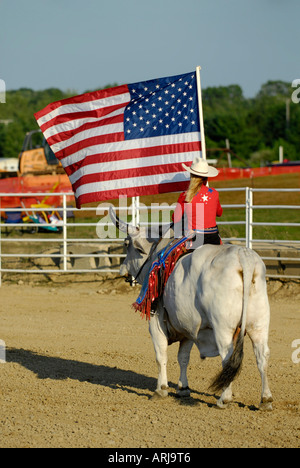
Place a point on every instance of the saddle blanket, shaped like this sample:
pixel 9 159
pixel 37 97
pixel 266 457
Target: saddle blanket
pixel 158 275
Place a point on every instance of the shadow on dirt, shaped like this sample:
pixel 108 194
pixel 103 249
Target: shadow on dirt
pixel 56 368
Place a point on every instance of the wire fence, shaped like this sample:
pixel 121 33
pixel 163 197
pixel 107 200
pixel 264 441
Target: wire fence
pixel 57 239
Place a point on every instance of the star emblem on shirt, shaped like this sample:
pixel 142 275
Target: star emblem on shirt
pixel 205 198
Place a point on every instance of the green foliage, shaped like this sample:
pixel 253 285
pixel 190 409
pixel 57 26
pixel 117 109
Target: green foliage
pixel 19 109
pixel 255 127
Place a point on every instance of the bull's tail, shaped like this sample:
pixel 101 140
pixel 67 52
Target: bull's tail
pixel 232 366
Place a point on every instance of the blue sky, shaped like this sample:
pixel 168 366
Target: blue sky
pixel 86 44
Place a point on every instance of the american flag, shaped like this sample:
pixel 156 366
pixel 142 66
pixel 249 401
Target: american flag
pixel 127 140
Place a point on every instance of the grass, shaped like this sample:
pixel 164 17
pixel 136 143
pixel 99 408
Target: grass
pixel 263 215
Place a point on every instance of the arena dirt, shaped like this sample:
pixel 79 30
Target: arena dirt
pixel 80 371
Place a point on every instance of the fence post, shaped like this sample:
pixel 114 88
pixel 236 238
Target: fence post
pixel 249 217
pixel 65 234
pixel 0 245
pixel 135 211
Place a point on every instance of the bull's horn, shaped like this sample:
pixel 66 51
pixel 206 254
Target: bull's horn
pixel 121 225
pixel 117 222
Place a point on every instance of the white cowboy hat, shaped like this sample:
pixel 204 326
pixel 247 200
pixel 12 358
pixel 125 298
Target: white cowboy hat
pixel 201 168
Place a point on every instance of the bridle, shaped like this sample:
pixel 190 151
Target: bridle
pixel 135 278
pixel 131 279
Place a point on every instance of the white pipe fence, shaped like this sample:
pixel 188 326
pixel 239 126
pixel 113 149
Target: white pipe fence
pixel 11 249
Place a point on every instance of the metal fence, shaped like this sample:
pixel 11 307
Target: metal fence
pixel 69 252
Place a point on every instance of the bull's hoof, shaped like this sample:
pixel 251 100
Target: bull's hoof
pixel 223 404
pixel 266 404
pixel 160 393
pixel 183 392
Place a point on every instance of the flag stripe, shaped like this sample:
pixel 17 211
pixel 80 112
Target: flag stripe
pixel 121 147
pixel 124 184
pixel 93 135
pixel 178 186
pixel 182 151
pixel 84 102
pixel 113 176
pixel 78 151
pixel 125 172
pixel 69 128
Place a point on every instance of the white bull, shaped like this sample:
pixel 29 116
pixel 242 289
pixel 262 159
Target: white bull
pixel 214 296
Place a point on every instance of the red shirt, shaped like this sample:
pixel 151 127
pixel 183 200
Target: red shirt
pixel 202 210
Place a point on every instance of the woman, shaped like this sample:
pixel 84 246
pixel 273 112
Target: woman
pixel 198 207
pixel 195 213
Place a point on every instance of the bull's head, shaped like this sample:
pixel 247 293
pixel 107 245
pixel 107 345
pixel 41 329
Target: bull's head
pixel 140 244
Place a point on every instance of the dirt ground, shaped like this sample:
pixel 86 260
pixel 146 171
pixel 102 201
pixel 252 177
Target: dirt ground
pixel 80 372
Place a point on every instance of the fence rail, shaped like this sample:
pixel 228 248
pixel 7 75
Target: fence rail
pixel 73 253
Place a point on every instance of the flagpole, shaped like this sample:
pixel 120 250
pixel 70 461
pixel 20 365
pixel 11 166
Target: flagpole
pixel 202 135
